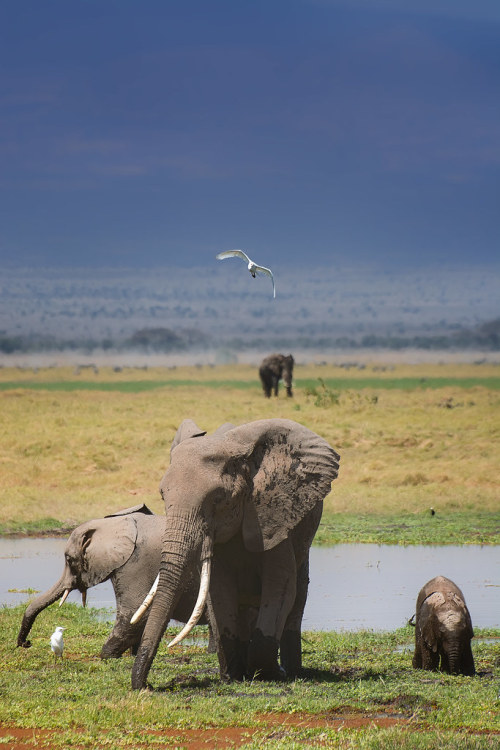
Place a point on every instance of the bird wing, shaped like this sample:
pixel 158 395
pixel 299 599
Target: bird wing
pixel 233 254
pixel 268 272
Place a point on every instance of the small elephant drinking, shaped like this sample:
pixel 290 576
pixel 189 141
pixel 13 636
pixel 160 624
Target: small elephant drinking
pixel 125 548
pixel 274 368
pixel 443 629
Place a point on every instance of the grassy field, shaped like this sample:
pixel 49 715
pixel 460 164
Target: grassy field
pixel 81 443
pixel 358 691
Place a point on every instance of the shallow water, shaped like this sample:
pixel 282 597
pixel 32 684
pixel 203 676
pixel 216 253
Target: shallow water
pixel 353 586
pixel 357 586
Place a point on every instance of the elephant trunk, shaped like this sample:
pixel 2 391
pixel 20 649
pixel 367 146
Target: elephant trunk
pixel 181 542
pixel 454 659
pixel 37 605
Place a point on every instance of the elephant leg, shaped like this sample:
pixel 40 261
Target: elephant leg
pixel 124 636
pixel 276 385
pixel 222 608
pixel 290 644
pixel 430 659
pixel 417 656
pixel 278 595
pixel 467 662
pixel 266 383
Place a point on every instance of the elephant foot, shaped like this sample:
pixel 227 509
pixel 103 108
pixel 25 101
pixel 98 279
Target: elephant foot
pixel 24 644
pixel 291 652
pixel 262 660
pixel 232 659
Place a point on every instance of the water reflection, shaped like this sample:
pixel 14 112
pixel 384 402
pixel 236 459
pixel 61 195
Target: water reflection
pixel 353 586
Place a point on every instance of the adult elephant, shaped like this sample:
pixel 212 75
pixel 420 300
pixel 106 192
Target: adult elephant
pixel 443 629
pixel 124 547
pixel 244 505
pixel 274 368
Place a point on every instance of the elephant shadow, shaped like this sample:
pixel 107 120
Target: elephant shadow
pixel 336 675
pixel 187 682
pixel 211 679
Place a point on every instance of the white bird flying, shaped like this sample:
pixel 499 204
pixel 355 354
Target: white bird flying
pixel 252 267
pixel 57 643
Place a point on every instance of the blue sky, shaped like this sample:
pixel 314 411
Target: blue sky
pixel 327 131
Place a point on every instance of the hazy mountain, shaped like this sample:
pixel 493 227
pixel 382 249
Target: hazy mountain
pixel 222 306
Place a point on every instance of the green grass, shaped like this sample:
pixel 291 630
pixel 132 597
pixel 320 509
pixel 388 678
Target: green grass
pixel 365 676
pixel 341 384
pixel 41 527
pixel 342 528
pixel 442 528
pixel 404 384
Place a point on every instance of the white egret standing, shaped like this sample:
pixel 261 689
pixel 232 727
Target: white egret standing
pixel 57 643
pixel 254 268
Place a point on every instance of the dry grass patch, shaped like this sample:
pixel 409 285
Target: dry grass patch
pixel 75 454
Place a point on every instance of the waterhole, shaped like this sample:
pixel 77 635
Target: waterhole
pixel 352 586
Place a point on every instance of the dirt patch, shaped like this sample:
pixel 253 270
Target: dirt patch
pixel 270 726
pixel 347 717
pixel 13 738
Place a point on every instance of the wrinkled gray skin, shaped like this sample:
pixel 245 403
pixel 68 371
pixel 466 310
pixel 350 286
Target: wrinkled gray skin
pixel 249 500
pixel 443 629
pixel 272 370
pixel 124 547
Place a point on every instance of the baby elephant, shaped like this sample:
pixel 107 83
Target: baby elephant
pixel 443 629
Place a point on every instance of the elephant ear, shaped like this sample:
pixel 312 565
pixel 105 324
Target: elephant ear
pixel 224 428
pixel 290 470
pixel 461 607
pixel 187 429
pixel 141 508
pixel 107 546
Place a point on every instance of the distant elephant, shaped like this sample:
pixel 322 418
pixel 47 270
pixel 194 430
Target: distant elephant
pixel 443 629
pixel 124 547
pixel 272 370
pixel 243 504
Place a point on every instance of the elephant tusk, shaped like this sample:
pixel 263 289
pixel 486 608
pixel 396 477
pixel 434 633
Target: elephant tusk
pixel 64 597
pixel 198 607
pixel 147 601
